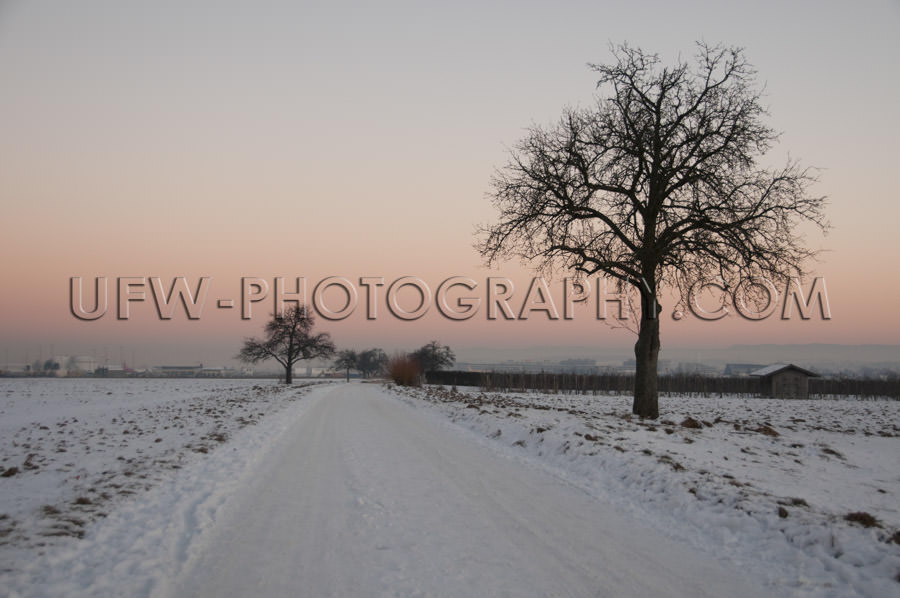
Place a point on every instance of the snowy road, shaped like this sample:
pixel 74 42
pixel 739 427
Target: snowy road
pixel 371 497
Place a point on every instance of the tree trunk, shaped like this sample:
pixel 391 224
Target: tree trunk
pixel 289 374
pixel 646 357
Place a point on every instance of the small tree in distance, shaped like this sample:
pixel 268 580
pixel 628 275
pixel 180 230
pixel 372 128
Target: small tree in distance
pixel 347 360
pixel 371 362
pixel 434 356
pixel 288 339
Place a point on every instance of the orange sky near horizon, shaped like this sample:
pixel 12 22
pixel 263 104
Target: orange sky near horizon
pixel 231 142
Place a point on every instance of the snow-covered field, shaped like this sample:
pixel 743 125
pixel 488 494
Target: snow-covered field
pixel 781 487
pixel 73 450
pixel 221 487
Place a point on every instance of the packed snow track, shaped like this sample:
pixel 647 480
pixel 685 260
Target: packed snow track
pixel 368 496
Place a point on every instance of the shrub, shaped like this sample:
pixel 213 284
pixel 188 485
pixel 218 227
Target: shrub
pixel 404 370
pixel 862 518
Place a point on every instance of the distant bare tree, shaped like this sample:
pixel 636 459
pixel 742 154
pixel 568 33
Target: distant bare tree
pixel 433 356
pixel 657 184
pixel 288 339
pixel 372 361
pixel 347 360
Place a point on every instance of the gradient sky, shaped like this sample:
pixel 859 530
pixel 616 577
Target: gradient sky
pixel 231 139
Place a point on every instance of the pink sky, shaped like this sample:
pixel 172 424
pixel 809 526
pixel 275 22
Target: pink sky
pixel 227 143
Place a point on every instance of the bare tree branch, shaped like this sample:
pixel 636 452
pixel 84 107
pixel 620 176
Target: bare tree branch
pixel 656 184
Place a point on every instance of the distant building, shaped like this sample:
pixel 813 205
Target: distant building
pixel 178 371
pixel 784 381
pixel 112 371
pixel 741 369
pixel 62 366
pixel 59 365
pixel 83 364
pixel 16 369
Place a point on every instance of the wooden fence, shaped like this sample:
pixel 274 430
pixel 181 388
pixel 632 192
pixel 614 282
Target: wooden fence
pixel 669 384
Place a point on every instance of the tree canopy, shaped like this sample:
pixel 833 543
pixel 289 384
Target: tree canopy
pixel 658 183
pixel 434 356
pixel 289 338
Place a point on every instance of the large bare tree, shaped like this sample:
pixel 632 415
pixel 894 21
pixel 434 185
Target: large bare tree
pixel 656 184
pixel 289 338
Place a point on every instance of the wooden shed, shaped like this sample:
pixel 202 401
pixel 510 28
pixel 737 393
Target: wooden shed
pixel 784 381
